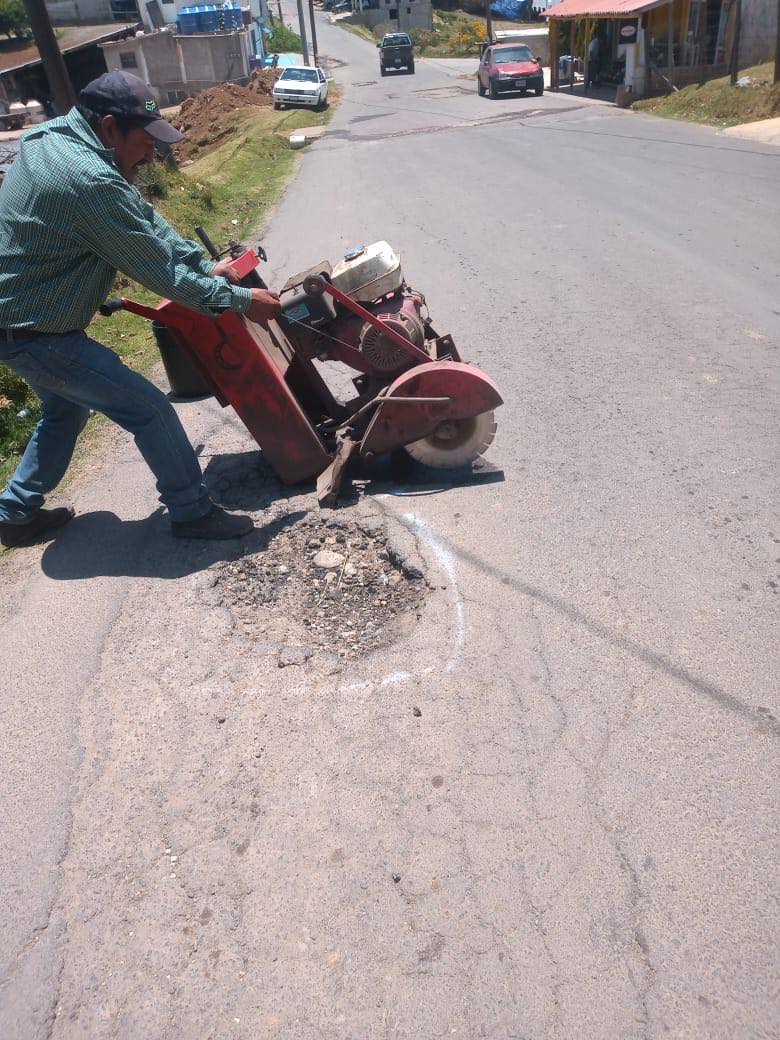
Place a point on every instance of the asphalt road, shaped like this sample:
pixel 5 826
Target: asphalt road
pixel 583 816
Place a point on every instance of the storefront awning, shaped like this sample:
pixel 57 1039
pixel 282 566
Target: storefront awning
pixel 601 8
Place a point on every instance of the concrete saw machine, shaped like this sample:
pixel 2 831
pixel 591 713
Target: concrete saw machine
pixel 411 389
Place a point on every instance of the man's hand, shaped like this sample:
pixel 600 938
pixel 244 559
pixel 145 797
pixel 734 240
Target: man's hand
pixel 264 306
pixel 223 269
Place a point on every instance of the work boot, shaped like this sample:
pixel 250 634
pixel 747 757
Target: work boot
pixel 217 523
pixel 14 535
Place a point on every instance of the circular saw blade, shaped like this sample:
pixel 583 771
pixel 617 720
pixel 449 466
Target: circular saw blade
pixel 455 442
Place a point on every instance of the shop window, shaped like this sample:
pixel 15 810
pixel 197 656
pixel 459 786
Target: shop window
pixel 128 60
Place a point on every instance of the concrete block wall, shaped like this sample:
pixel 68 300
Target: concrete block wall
pixel 78 12
pixel 758 35
pixel 412 14
pixel 184 65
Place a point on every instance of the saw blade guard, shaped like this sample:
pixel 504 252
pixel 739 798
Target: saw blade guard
pixel 460 392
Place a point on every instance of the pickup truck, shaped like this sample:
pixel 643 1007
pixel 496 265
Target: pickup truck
pixel 396 51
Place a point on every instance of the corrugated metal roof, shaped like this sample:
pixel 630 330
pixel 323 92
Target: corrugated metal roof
pixel 70 38
pixel 601 8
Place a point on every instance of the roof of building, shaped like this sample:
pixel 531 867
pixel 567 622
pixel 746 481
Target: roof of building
pixel 69 37
pixel 601 8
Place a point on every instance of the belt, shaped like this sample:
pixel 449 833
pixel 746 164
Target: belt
pixel 11 335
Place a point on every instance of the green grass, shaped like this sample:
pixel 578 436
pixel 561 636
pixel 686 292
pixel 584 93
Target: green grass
pixel 228 191
pixel 717 103
pixel 357 30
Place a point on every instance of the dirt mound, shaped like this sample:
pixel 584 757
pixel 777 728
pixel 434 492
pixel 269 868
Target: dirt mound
pixel 262 80
pixel 204 119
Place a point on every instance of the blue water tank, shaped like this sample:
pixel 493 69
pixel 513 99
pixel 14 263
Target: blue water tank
pixel 238 17
pixel 188 20
pixel 208 20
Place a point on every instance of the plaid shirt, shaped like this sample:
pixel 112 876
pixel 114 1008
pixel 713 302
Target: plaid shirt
pixel 69 220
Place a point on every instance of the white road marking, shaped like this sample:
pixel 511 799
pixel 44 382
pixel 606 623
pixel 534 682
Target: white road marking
pixel 444 556
pixel 420 528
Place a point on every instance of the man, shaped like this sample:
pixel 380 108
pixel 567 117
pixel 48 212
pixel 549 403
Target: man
pixel 594 55
pixel 69 218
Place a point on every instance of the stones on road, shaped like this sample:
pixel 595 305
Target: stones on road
pixel 322 589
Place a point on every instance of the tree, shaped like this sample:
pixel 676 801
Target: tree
pixel 13 19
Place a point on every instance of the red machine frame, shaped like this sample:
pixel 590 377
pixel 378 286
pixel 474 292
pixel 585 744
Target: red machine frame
pixel 285 404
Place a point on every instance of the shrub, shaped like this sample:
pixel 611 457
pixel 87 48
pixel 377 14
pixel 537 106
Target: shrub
pixel 154 181
pixel 13 19
pixel 15 397
pixel 282 39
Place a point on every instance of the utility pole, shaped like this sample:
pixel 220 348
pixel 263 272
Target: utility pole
pixel 62 92
pixel 489 21
pixel 735 44
pixel 777 46
pixel 315 55
pixel 302 31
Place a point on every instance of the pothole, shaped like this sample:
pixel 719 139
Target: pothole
pixel 321 585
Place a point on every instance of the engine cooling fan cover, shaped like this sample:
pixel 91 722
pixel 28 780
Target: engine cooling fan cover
pixel 379 350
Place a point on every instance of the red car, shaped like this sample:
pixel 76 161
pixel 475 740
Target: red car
pixel 509 66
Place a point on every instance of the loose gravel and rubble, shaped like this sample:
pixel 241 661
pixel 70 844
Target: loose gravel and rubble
pixel 324 585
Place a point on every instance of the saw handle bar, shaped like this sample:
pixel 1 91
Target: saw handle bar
pixel 234 249
pixel 110 307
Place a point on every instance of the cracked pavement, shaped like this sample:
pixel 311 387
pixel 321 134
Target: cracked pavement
pixel 550 809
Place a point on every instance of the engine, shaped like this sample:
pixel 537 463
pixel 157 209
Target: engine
pixel 372 276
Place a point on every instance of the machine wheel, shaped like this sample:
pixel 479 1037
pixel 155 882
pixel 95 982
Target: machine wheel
pixel 411 69
pixel 382 70
pixel 539 91
pixel 493 90
pixel 277 105
pixel 480 86
pixel 455 442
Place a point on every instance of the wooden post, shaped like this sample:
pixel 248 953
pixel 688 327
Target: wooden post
pixel 777 46
pixel 700 40
pixel 315 54
pixel 587 53
pixel 572 41
pixel 62 93
pixel 646 48
pixel 670 45
pixel 552 27
pixel 302 31
pixel 735 44
pixel 489 21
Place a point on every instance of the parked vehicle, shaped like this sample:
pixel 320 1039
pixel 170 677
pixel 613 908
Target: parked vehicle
pixel 12 117
pixel 509 67
pixel 396 51
pixel 301 85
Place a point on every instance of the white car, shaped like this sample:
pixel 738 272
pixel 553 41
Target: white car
pixel 301 85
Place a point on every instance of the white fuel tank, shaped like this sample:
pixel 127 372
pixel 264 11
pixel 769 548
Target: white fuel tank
pixel 368 272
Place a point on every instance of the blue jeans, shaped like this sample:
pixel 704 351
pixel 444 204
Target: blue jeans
pixel 72 374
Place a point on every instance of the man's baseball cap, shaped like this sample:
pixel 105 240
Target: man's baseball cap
pixel 122 94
